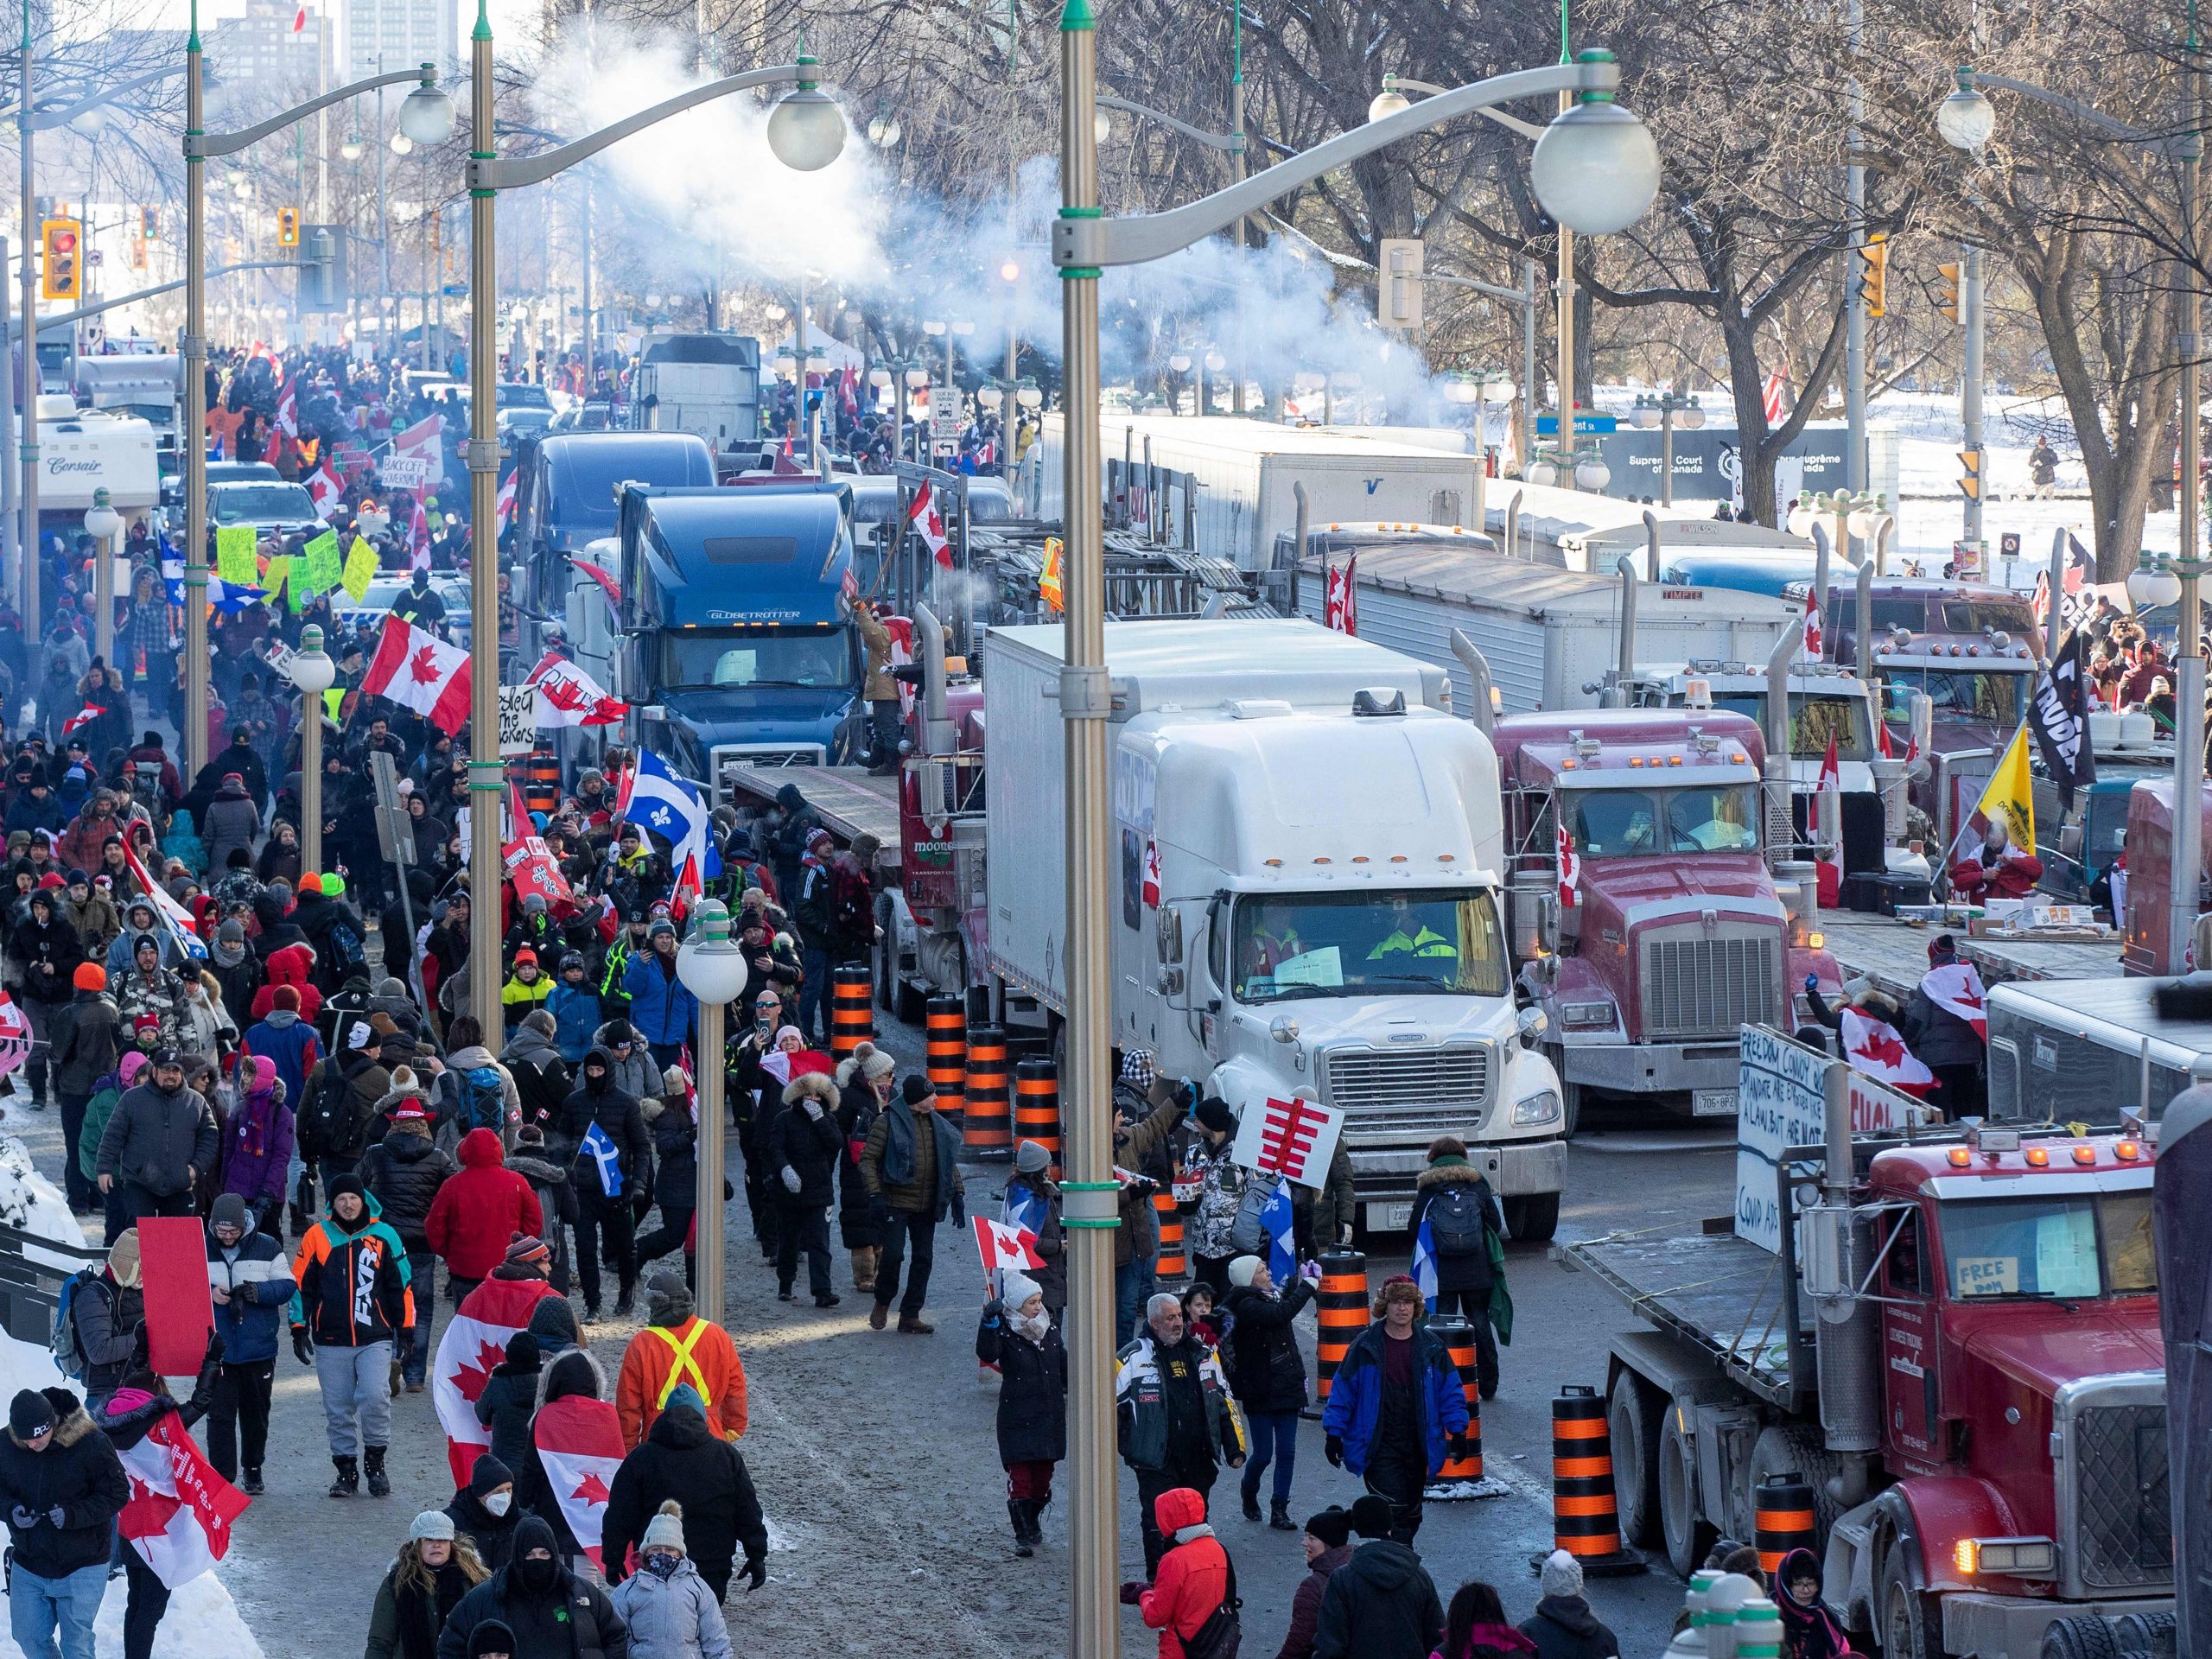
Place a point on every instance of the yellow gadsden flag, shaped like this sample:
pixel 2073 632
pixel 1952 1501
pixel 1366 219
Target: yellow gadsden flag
pixel 2010 797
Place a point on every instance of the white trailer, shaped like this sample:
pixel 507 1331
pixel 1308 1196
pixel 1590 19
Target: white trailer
pixel 1550 636
pixel 1575 529
pixel 1322 915
pixel 1244 471
pixel 706 384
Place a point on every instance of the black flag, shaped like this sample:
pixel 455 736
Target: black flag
pixel 2059 718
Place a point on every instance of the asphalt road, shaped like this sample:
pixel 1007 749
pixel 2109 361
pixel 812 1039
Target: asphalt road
pixel 875 1456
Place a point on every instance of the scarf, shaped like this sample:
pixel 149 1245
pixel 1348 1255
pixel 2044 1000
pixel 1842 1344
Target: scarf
pixel 1808 1632
pixel 1186 1535
pixel 1034 1329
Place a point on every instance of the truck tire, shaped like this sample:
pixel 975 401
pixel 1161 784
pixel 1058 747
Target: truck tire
pixel 2149 1633
pixel 1687 1536
pixel 1907 1624
pixel 1570 1100
pixel 2082 1636
pixel 1783 1448
pixel 1633 1415
pixel 1533 1217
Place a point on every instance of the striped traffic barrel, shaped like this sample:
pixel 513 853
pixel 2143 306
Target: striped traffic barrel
pixel 1341 1311
pixel 541 781
pixel 1585 1515
pixel 1782 1519
pixel 987 1122
pixel 851 1017
pixel 1037 1106
pixel 945 1020
pixel 1174 1263
pixel 1458 1337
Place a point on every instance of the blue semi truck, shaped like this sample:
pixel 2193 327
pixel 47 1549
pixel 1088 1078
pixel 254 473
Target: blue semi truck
pixel 737 643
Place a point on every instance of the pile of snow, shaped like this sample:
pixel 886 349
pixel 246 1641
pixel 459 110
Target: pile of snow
pixel 28 1202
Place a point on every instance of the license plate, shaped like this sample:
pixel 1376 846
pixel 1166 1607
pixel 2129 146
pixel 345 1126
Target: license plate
pixel 1389 1217
pixel 1713 1103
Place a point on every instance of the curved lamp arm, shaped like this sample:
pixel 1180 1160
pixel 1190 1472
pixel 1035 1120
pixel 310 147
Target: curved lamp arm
pixel 2181 146
pixel 198 146
pixel 47 120
pixel 1139 237
pixel 510 173
pixel 1429 89
pixel 1227 141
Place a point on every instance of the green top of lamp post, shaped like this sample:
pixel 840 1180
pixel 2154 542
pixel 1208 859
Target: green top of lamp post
pixel 483 29
pixel 1077 16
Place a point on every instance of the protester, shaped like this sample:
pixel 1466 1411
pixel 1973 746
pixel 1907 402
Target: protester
pixel 1382 1604
pixel 603 1127
pixel 109 1312
pixel 804 1151
pixel 436 1567
pixel 1017 1336
pixel 62 1486
pixel 83 1039
pixel 1177 1421
pixel 160 1141
pixel 1563 1627
pixel 1267 1375
pixel 127 1418
pixel 1466 1231
pixel 545 1608
pixel 910 1163
pixel 1327 1542
pixel 1396 1409
pixel 404 1173
pixel 681 1461
pixel 671 1611
pixel 354 1306
pixel 1808 1630
pixel 509 1398
pixel 478 1213
pixel 677 1349
pixel 484 1511
pixel 251 1285
pixel 1194 1583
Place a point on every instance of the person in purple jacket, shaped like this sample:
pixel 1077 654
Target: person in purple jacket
pixel 256 1148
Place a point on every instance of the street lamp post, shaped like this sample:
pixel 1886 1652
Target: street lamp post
pixel 313 673
pixel 712 966
pixel 806 132
pixel 103 523
pixel 1595 170
pixel 1664 411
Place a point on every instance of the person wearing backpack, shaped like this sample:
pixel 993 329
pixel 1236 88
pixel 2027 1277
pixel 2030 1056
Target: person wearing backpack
pixel 1466 1230
pixel 1222 1181
pixel 331 1126
pixel 104 1314
pixel 478 1092
pixel 85 1040
pixel 1192 1599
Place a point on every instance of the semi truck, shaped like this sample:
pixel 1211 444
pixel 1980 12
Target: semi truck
pixel 1242 473
pixel 1309 866
pixel 706 384
pixel 1965 647
pixel 1944 1344
pixel 737 643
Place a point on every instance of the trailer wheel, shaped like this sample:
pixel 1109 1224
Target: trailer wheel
pixel 2149 1633
pixel 1687 1536
pixel 1633 1416
pixel 2082 1636
pixel 1909 1625
pixel 1533 1217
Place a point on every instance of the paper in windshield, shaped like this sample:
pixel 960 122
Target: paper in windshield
pixel 1986 1275
pixel 2066 1253
pixel 1322 967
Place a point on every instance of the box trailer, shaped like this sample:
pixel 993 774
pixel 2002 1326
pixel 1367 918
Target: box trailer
pixel 1578 531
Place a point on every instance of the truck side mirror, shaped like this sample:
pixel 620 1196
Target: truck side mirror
pixel 1167 935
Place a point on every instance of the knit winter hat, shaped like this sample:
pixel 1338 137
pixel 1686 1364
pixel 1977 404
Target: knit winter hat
pixel 1137 1067
pixel 877 1064
pixel 432 1524
pixel 286 997
pixel 227 1210
pixel 1562 1575
pixel 665 1529
pixel 687 1396
pixel 541 1022
pixel 916 1090
pixel 122 1257
pixel 1243 1270
pixel 521 1351
pixel 527 1250
pixel 1370 1516
pixel 1030 1158
pixel 1215 1115
pixel 668 1299
pixel 230 932
pixel 310 882
pixel 89 976
pixel 1017 1288
pixel 1333 1527
pixel 30 1415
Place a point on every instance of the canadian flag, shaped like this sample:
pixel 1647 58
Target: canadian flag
pixel 1882 740
pixel 502 506
pixel 1956 990
pixel 90 712
pixel 420 439
pixel 1151 893
pixel 929 525
pixel 179 1514
pixel 300 18
pixel 418 539
pixel 288 403
pixel 1570 866
pixel 1813 639
pixel 1771 398
pixel 15 1036
pixel 1874 1047
pixel 568 697
pixel 475 1340
pixel 324 490
pixel 901 630
pixel 580 1442
pixel 1001 1247
pixel 1340 600
pixel 421 672
pixel 1829 870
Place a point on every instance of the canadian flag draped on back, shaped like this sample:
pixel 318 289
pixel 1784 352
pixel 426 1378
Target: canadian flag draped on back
pixel 421 672
pixel 475 1340
pixel 580 1442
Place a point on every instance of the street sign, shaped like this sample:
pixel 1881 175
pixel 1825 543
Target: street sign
pixel 1547 425
pixel 944 418
pixel 394 828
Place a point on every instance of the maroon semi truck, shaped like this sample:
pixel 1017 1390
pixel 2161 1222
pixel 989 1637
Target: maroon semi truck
pixel 1671 931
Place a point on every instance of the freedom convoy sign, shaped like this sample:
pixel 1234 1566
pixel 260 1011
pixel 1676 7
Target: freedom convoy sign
pixel 1781 1102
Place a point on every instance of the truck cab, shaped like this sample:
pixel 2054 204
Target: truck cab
pixel 1668 933
pixel 1963 647
pixel 739 645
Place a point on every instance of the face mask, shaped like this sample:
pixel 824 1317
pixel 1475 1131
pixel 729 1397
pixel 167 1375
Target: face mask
pixel 499 1503
pixel 662 1563
pixel 537 1576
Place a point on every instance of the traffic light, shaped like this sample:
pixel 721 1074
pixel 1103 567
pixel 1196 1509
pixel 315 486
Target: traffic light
pixel 62 240
pixel 1873 271
pixel 287 227
pixel 1970 473
pixel 150 224
pixel 1950 306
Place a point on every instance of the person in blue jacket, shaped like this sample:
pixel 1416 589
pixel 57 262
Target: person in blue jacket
pixel 250 1284
pixel 661 1007
pixel 574 1007
pixel 1396 1409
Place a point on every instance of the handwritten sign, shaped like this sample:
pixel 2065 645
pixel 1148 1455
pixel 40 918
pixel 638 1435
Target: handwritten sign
pixel 361 563
pixel 324 568
pixel 1985 1275
pixel 406 472
pixel 518 719
pixel 1780 1102
pixel 234 557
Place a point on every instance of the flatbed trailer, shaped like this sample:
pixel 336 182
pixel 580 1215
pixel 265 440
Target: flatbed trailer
pixel 850 800
pixel 1894 954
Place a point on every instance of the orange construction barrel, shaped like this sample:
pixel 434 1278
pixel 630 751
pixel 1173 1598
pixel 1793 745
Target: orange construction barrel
pixel 852 1015
pixel 986 1124
pixel 1037 1106
pixel 945 1020
pixel 1341 1311
pixel 1586 1514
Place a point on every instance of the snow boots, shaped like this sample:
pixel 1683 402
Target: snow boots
pixel 379 1483
pixel 348 1482
pixel 1028 1535
pixel 864 1261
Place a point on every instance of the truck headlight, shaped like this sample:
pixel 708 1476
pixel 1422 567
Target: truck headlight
pixel 2011 1558
pixel 1536 1109
pixel 1582 1016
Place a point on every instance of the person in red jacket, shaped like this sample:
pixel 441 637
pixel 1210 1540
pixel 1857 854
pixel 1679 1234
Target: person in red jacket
pixel 1193 1581
pixel 289 964
pixel 478 1211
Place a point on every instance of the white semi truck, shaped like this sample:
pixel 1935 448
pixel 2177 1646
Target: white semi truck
pixel 1309 857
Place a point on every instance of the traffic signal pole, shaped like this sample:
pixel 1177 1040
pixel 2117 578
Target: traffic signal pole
pixel 32 632
pixel 1970 315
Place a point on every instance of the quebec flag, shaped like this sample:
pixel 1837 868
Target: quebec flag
pixel 1282 1254
pixel 601 1150
pixel 1425 1264
pixel 670 807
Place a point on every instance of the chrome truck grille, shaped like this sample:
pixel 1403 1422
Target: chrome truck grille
pixel 2115 1530
pixel 1700 985
pixel 1418 1091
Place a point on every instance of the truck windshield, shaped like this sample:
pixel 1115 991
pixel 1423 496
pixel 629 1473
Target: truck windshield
pixel 262 504
pixel 1958 694
pixel 2075 1247
pixel 821 659
pixel 1636 823
pixel 2104 827
pixel 1813 719
pixel 1349 945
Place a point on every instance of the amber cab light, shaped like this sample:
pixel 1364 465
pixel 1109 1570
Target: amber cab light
pixel 1960 1157
pixel 2038 1157
pixel 2085 1154
pixel 2128 1151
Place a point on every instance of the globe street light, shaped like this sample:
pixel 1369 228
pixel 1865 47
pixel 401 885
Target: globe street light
pixel 426 114
pixel 1966 119
pixel 806 131
pixel 713 968
pixel 103 523
pixel 314 673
